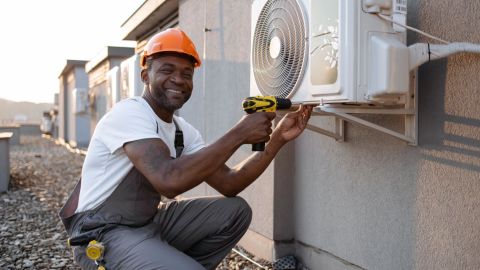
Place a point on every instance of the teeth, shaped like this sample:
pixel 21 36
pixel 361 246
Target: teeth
pixel 174 91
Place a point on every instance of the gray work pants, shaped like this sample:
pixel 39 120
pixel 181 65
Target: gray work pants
pixel 187 234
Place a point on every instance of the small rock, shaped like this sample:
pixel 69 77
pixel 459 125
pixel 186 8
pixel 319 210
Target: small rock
pixel 27 263
pixel 56 236
pixel 46 242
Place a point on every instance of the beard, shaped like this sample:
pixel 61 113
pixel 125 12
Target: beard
pixel 170 105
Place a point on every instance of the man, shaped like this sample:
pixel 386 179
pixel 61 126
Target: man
pixel 136 155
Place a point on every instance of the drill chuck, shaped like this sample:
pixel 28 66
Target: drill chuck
pixel 283 103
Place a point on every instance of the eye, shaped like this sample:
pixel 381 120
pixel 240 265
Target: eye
pixel 187 75
pixel 166 70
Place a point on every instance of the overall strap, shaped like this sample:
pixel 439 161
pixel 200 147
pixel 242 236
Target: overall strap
pixel 178 139
pixel 178 143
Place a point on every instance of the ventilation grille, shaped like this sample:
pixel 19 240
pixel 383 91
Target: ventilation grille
pixel 279 48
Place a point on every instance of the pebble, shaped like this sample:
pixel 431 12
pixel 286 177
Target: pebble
pixel 27 263
pixel 32 236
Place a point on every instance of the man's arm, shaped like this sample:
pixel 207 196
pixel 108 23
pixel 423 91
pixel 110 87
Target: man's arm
pixel 171 177
pixel 230 182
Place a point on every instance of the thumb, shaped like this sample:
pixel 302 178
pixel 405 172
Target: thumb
pixel 295 113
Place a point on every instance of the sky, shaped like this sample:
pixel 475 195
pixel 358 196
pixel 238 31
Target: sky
pixel 37 37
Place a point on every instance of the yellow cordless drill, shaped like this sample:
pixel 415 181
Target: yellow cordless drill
pixel 264 104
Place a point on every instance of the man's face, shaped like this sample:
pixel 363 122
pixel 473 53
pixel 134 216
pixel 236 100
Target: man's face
pixel 170 81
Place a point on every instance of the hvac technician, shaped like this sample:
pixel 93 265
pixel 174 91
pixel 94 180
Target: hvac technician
pixel 140 150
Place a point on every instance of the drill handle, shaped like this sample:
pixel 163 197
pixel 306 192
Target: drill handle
pixel 258 146
pixel 82 239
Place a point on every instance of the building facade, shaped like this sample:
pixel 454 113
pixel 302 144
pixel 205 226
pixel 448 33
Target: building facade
pixel 371 202
pixel 73 117
pixel 100 94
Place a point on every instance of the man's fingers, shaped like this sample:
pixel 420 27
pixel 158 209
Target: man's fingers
pixel 270 115
pixel 306 113
pixel 296 113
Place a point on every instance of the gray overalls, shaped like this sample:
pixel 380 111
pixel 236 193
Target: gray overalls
pixel 140 232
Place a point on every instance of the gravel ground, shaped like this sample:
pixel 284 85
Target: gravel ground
pixel 31 235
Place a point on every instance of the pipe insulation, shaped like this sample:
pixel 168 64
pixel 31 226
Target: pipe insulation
pixel 421 53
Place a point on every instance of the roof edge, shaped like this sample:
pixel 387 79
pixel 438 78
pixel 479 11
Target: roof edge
pixel 146 16
pixel 70 64
pixel 107 52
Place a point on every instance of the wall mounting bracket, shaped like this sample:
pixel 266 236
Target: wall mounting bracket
pixel 347 113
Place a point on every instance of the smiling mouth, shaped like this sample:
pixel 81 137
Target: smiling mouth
pixel 175 91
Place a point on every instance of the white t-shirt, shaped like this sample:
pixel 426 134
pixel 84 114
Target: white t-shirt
pixel 106 164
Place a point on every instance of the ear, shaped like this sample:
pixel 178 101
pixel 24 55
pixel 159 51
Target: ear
pixel 144 75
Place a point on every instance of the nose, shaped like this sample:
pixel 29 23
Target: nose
pixel 176 78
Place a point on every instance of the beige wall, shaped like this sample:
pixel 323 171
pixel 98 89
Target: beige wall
pixel 371 202
pixel 379 204
pixel 447 218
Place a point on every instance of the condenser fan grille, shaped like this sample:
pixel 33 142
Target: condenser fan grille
pixel 279 47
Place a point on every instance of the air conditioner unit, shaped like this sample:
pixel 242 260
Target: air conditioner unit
pixel 330 51
pixel 131 83
pixel 80 100
pixel 113 87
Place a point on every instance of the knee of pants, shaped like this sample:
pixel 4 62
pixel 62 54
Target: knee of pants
pixel 244 208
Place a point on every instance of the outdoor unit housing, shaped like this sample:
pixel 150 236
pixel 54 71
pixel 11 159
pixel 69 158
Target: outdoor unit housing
pixel 80 100
pixel 131 84
pixel 113 87
pixel 329 51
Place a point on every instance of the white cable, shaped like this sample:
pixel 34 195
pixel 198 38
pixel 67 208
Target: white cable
pixel 421 53
pixel 412 29
pixel 246 257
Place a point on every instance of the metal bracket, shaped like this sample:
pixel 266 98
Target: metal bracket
pixel 346 113
pixel 338 134
pixel 339 126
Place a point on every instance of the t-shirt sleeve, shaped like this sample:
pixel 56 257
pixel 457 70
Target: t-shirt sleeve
pixel 193 140
pixel 126 122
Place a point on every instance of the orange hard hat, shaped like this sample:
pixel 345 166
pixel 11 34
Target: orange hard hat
pixel 170 40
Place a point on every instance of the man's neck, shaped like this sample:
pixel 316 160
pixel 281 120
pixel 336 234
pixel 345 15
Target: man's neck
pixel 163 114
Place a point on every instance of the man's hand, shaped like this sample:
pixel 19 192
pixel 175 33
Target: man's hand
pixel 255 127
pixel 293 124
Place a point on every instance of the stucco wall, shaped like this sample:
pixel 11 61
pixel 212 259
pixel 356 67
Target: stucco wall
pixel 379 204
pixel 220 86
pixel 448 183
pixel 371 202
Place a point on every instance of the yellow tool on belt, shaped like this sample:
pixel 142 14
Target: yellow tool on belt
pixel 94 249
pixel 94 252
pixel 264 104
